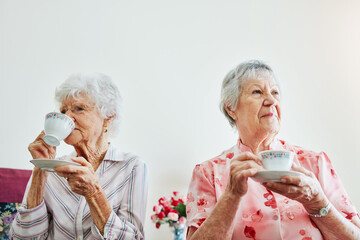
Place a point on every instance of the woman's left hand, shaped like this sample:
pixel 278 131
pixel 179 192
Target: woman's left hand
pixel 305 189
pixel 81 179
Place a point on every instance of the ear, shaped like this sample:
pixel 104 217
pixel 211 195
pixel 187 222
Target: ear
pixel 108 121
pixel 230 112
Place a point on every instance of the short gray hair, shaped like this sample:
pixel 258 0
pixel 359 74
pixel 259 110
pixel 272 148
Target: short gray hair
pixel 234 81
pixel 100 89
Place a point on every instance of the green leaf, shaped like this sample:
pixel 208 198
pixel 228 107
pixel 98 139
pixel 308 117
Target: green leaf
pixel 181 208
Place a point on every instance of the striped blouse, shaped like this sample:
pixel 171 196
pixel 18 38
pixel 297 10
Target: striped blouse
pixel 64 214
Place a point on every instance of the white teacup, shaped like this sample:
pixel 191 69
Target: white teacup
pixel 57 127
pixel 277 160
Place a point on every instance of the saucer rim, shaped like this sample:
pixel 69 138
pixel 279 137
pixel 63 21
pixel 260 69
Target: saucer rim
pixel 283 173
pixel 36 162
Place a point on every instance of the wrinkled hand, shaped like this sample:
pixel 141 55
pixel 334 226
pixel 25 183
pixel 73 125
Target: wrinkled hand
pixel 242 167
pixel 305 189
pixel 81 179
pixel 41 150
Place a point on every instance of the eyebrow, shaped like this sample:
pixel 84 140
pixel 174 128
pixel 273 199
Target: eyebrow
pixel 261 86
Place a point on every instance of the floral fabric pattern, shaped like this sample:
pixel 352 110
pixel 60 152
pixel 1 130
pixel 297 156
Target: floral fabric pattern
pixel 263 214
pixel 7 215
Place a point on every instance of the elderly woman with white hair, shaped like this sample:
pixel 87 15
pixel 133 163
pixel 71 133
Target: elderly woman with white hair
pixel 225 201
pixel 103 198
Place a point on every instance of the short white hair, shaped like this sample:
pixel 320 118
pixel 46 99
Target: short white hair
pixel 234 81
pixel 99 88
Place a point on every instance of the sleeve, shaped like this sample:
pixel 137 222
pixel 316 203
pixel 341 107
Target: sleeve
pixel 201 198
pixel 30 223
pixel 128 221
pixel 333 188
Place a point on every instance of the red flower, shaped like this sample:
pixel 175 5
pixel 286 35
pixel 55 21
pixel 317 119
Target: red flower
pixel 174 202
pixel 349 215
pixel 161 201
pixel 300 152
pixel 220 161
pixel 167 210
pixel 161 215
pixel 249 232
pixel 157 225
pixel 201 220
pixel 270 199
pixel 230 155
pixel 201 202
pixel 173 211
pixel 175 193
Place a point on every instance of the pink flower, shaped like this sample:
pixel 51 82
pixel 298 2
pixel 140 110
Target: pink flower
pixel 153 217
pixel 157 209
pixel 173 216
pixel 182 199
pixel 182 220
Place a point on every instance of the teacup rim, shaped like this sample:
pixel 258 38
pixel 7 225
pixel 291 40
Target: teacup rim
pixel 273 150
pixel 62 114
pixel 65 117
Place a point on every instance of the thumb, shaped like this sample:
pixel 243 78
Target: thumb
pixel 81 161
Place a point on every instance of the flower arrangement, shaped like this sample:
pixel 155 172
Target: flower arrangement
pixel 170 210
pixel 7 215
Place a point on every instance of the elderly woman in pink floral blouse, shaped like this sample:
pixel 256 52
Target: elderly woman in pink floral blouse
pixel 224 201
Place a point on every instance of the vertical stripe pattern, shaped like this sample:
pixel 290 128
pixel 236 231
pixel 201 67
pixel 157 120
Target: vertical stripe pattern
pixel 123 176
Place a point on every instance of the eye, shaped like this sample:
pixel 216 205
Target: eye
pixel 256 91
pixel 276 92
pixel 78 109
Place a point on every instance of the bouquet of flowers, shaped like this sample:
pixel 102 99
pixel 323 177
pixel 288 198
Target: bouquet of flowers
pixel 170 210
pixel 7 215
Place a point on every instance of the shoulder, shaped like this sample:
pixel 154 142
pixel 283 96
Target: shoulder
pixel 216 166
pixel 308 158
pixel 220 160
pixel 300 151
pixel 126 158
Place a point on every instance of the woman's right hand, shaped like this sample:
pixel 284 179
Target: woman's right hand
pixel 242 167
pixel 41 150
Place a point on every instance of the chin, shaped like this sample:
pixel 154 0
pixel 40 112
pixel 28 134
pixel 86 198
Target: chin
pixel 71 140
pixel 272 128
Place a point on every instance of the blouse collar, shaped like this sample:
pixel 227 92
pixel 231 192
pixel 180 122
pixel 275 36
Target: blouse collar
pixel 274 145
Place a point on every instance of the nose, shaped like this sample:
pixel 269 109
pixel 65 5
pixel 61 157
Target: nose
pixel 70 114
pixel 269 100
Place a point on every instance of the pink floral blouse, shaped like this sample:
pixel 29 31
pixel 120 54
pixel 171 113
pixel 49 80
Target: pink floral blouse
pixel 263 214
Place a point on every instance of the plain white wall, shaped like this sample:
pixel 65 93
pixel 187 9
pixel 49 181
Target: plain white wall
pixel 168 59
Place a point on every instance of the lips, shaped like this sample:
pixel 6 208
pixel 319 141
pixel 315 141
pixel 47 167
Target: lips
pixel 268 115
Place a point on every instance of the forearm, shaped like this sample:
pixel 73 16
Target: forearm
pixel 100 209
pixel 335 226
pixel 220 223
pixel 36 192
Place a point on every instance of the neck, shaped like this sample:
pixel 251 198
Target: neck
pixel 94 153
pixel 257 142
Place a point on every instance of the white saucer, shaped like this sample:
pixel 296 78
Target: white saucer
pixel 273 176
pixel 49 164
